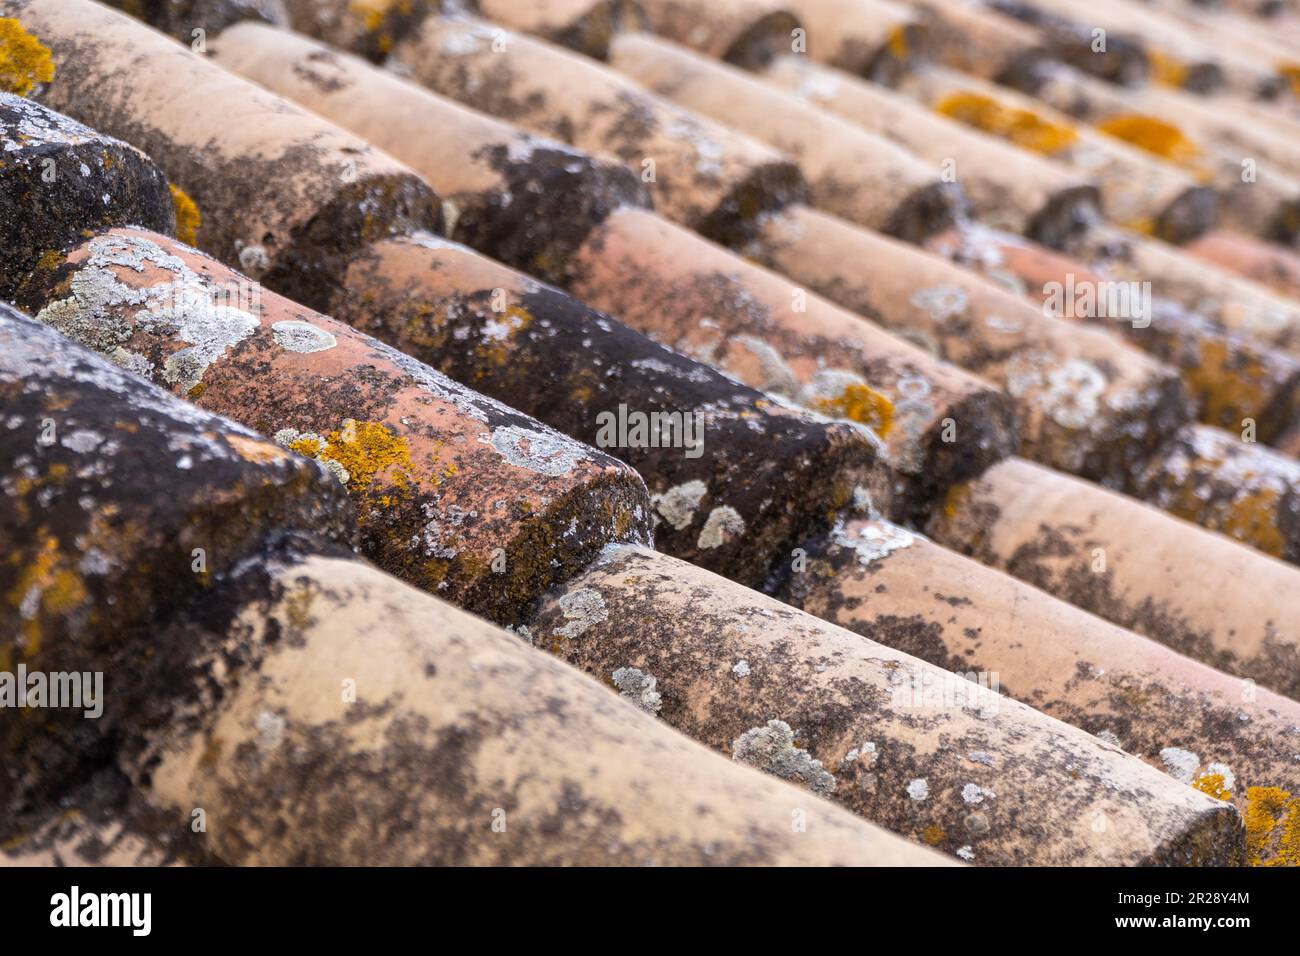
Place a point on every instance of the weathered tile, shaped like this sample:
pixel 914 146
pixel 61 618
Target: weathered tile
pixel 455 492
pixel 1087 402
pixel 853 173
pixel 907 745
pixel 118 505
pixel 363 722
pixel 941 424
pixel 708 176
pixel 57 179
pixel 1199 593
pixel 893 586
pixel 736 477
pixel 280 191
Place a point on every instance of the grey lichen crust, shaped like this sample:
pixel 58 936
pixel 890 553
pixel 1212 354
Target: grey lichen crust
pixel 772 748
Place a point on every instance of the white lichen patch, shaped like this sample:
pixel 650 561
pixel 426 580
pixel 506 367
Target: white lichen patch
pixel 1068 392
pixel 772 748
pixel 546 453
pixel 583 609
pixel 740 669
pixel 865 754
pixel 723 523
pixel 294 335
pixel 1180 764
pixel 98 313
pixel 918 789
pixel 638 687
pixel 973 794
pixel 874 539
pixel 677 505
pixel 942 303
pixel 270 730
pixel 82 441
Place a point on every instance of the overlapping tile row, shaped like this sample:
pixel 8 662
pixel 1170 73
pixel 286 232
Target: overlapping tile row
pixel 1260 190
pixel 269 70
pixel 1203 322
pixel 530 65
pixel 252 696
pixel 1181 842
pixel 1138 190
pixel 308 195
pixel 452 76
pixel 1196 592
pixel 206 765
pixel 1009 188
pixel 172 288
pixel 455 492
pixel 768 475
pixel 706 175
pixel 821 356
pixel 886 583
pixel 1175 52
pixel 855 174
pixel 927 753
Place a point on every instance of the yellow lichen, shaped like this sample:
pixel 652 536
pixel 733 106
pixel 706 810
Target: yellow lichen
pixel 1272 827
pixel 862 404
pixel 1253 518
pixel 1165 70
pixel 1291 71
pixel 933 834
pixel 188 218
pixel 1229 385
pixel 45 589
pixel 1152 135
pixel 50 260
pixel 899 48
pixel 1213 785
pixel 1023 127
pixel 24 60
pixel 959 495
pixel 367 449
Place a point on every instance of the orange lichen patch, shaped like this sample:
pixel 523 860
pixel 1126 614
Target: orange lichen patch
pixel 1227 390
pixel 1023 127
pixel 1251 519
pixel 958 497
pixel 188 218
pixel 899 48
pixel 45 588
pixel 50 260
pixel 24 60
pixel 1166 70
pixel 1213 785
pixel 1272 827
pixel 1292 73
pixel 862 404
pixel 933 834
pixel 496 347
pixel 367 449
pixel 1152 135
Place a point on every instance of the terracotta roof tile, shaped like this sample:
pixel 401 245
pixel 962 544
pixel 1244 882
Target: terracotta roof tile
pixel 834 431
pixel 280 192
pixel 455 492
pixel 838 715
pixel 706 175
